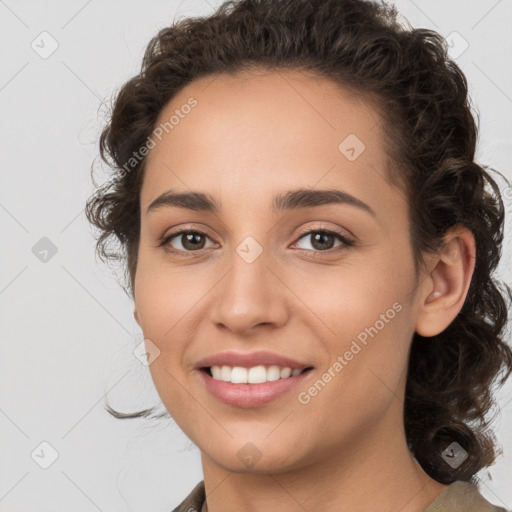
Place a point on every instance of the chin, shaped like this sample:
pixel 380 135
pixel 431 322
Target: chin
pixel 244 456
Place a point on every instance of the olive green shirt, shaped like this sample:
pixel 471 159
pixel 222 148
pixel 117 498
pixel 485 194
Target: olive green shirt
pixel 457 497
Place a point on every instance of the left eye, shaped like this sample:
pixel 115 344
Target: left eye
pixel 190 240
pixel 323 240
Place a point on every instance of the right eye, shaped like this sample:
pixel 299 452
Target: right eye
pixel 190 241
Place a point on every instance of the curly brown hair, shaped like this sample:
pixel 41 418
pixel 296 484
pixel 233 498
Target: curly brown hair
pixel 422 96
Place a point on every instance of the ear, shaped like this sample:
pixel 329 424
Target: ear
pixel 446 285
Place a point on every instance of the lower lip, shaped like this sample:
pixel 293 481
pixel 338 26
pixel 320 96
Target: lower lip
pixel 251 395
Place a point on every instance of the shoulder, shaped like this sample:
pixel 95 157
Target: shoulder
pixel 462 497
pixel 194 501
pixel 457 497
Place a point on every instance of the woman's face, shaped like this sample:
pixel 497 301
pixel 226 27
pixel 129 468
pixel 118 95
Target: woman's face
pixel 253 280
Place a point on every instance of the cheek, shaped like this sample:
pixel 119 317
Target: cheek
pixel 367 312
pixel 163 299
pixel 350 298
pixel 162 305
pixel 164 294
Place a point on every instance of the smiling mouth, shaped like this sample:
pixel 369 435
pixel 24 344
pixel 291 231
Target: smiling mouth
pixel 254 375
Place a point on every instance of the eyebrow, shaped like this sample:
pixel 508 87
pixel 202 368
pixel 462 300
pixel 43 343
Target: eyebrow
pixel 290 200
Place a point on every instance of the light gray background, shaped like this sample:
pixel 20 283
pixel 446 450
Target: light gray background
pixel 67 327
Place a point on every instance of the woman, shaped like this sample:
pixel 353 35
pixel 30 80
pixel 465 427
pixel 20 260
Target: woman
pixel 310 248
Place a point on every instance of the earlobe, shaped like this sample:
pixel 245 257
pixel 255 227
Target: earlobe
pixel 136 316
pixel 447 284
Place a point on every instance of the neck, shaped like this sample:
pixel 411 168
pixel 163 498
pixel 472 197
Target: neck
pixel 374 471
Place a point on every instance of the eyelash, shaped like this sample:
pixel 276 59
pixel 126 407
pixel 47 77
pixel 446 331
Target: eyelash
pixel 315 253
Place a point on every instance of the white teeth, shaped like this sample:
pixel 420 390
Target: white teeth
pixel 254 375
pixel 225 373
pixel 239 375
pixel 285 372
pixel 273 373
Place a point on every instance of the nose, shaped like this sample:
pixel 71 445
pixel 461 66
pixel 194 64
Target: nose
pixel 250 294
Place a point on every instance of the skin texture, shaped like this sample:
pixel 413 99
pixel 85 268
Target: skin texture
pixel 250 137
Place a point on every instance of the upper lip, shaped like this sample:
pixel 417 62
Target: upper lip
pixel 249 360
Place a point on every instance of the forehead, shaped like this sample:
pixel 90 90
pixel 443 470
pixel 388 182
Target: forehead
pixel 264 131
